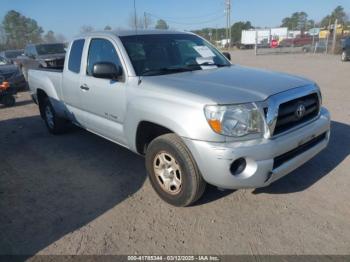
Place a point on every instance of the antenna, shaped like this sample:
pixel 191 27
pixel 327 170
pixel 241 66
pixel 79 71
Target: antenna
pixel 135 16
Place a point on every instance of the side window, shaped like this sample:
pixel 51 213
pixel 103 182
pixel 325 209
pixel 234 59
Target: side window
pixel 101 50
pixel 75 55
pixel 34 51
pixel 26 51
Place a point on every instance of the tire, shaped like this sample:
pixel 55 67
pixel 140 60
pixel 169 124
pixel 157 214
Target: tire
pixel 180 184
pixel 344 57
pixel 8 100
pixel 56 125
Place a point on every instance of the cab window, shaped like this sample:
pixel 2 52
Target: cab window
pixel 101 50
pixel 75 55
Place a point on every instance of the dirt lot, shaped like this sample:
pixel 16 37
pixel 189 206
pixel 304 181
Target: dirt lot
pixel 80 194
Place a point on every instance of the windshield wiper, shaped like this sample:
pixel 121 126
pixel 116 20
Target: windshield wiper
pixel 207 64
pixel 165 70
pixel 186 68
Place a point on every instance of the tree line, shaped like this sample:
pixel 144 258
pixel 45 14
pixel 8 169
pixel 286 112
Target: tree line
pixel 137 22
pixel 297 21
pixel 16 30
pixel 301 21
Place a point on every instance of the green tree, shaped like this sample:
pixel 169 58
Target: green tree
pixel 107 28
pixel 86 29
pixel 298 21
pixel 237 28
pixel 50 37
pixel 161 24
pixel 20 30
pixel 337 13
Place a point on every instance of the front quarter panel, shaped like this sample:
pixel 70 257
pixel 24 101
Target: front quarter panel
pixel 183 118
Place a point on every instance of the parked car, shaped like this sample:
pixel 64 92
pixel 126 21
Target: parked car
pixel 299 41
pixel 11 55
pixel 345 56
pixel 12 74
pixel 7 93
pixel 41 55
pixel 175 99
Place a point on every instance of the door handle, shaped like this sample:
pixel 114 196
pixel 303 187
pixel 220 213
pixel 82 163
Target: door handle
pixel 84 87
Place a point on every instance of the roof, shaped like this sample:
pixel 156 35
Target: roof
pixel 135 32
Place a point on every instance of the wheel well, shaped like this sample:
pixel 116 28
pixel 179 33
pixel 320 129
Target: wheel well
pixel 146 132
pixel 41 96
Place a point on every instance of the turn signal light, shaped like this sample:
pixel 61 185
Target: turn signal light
pixel 4 85
pixel 215 125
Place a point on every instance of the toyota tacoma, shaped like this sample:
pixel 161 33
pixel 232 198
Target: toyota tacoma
pixel 196 117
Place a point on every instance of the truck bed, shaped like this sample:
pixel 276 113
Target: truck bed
pixel 47 79
pixel 50 69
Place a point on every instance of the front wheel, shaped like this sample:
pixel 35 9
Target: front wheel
pixel 8 100
pixel 173 172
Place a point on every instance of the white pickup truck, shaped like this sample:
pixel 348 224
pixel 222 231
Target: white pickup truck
pixel 197 118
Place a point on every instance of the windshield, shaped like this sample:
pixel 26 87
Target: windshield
pixel 49 49
pixel 170 53
pixel 3 61
pixel 13 54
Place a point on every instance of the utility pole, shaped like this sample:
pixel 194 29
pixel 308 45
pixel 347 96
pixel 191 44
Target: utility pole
pixel 329 32
pixel 313 35
pixel 135 16
pixel 145 20
pixel 228 22
pixel 334 36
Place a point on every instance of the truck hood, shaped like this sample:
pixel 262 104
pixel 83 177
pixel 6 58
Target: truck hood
pixel 234 84
pixel 7 71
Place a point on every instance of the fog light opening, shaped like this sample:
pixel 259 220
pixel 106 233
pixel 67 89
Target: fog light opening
pixel 238 166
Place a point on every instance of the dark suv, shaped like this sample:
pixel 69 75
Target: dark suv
pixel 345 55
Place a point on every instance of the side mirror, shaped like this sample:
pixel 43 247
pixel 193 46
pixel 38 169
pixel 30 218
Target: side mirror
pixel 106 70
pixel 227 55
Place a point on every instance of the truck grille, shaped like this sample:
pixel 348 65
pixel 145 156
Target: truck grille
pixel 296 112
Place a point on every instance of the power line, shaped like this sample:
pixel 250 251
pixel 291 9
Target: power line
pixel 187 23
pixel 189 17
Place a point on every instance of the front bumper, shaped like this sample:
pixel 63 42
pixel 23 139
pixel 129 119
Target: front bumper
pixel 18 82
pixel 214 159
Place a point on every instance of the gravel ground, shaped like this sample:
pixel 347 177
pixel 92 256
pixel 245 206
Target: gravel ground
pixel 80 194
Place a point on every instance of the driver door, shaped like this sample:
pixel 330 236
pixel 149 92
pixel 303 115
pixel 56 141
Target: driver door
pixel 104 100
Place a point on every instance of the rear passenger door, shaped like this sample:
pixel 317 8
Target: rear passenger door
pixel 104 100
pixel 72 74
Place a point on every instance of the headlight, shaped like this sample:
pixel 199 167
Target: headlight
pixel 235 120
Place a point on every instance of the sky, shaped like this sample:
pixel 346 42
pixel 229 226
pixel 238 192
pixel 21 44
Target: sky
pixel 67 16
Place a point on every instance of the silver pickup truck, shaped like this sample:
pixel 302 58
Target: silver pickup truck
pixel 197 118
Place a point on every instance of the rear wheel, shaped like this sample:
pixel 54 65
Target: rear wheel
pixel 8 100
pixel 55 124
pixel 173 172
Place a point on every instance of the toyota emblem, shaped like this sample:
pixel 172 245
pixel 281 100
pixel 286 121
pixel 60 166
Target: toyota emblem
pixel 300 111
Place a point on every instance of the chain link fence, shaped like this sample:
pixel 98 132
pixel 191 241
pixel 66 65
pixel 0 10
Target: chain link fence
pixel 284 41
